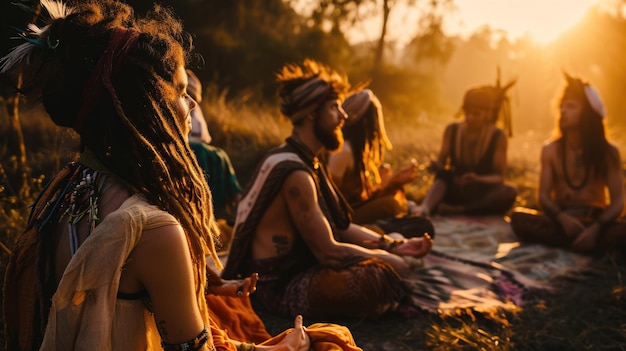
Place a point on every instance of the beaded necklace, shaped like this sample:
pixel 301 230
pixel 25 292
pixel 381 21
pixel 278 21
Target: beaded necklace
pixel 566 175
pixel 81 201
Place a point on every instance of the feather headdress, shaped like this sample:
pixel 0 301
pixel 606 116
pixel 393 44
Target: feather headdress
pixel 37 39
pixel 493 98
pixel 580 90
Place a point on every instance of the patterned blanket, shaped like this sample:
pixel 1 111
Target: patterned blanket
pixel 478 263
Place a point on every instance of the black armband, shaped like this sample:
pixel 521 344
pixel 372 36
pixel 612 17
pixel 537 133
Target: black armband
pixel 191 345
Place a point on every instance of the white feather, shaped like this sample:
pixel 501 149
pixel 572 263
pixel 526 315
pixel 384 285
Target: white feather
pixel 36 30
pixel 594 99
pixel 17 54
pixel 24 52
pixel 56 9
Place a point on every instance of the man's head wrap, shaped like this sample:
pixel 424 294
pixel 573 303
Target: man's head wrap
pixel 494 99
pixel 357 104
pixel 581 91
pixel 194 86
pixel 304 89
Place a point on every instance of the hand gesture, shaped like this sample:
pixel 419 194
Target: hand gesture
pixel 468 178
pixel 435 166
pixel 571 226
pixel 586 241
pixel 239 287
pixel 414 247
pixel 405 175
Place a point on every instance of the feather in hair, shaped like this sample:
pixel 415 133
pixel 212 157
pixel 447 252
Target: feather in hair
pixel 37 39
pixel 56 9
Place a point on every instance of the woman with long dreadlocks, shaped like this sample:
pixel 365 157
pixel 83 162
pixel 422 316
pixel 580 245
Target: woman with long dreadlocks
pixel 114 256
pixel 578 169
pixel 472 161
pixel 375 193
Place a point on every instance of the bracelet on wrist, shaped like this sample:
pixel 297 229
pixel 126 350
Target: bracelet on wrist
pixel 383 242
pixel 395 243
pixel 388 244
pixel 244 346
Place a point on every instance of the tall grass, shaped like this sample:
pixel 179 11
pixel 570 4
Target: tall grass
pixel 247 131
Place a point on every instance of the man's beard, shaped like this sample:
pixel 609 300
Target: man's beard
pixel 331 139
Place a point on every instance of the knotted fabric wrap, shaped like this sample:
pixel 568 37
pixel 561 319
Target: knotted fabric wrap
pixel 356 104
pixel 121 42
pixel 194 86
pixel 305 99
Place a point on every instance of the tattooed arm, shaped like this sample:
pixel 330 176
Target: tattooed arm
pixel 300 194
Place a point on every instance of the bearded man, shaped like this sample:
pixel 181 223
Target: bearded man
pixel 294 228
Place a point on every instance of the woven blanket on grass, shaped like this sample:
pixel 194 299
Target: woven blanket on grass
pixel 478 263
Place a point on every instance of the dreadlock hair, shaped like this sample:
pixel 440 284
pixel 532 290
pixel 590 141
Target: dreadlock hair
pixel 366 136
pixel 302 86
pixel 495 100
pixel 132 128
pixel 591 128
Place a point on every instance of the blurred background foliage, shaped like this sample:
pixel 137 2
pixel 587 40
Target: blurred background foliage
pixel 420 81
pixel 243 43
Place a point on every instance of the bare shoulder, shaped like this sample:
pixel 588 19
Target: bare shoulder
pixel 168 241
pixel 614 150
pixel 298 183
pixel 341 158
pixel 451 126
pixel 614 155
pixel 549 150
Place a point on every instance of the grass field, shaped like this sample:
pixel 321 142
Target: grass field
pixel 589 314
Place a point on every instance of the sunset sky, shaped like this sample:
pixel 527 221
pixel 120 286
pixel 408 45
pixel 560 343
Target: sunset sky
pixel 544 20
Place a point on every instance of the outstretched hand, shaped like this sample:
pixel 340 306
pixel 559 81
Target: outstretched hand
pixel 414 247
pixel 239 287
pixel 404 175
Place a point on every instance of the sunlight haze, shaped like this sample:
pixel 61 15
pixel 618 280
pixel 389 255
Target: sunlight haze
pixel 543 20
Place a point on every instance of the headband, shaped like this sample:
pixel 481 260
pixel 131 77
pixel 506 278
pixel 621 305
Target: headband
pixel 356 104
pixel 305 99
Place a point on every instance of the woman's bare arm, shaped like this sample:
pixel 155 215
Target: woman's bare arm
pixel 162 264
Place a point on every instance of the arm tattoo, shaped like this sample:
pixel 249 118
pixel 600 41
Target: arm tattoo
pixel 295 194
pixel 281 243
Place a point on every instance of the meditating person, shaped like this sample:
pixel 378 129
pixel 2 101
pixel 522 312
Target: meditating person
pixel 293 226
pixel 581 185
pixel 470 169
pixel 115 253
pixel 374 191
pixel 214 161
